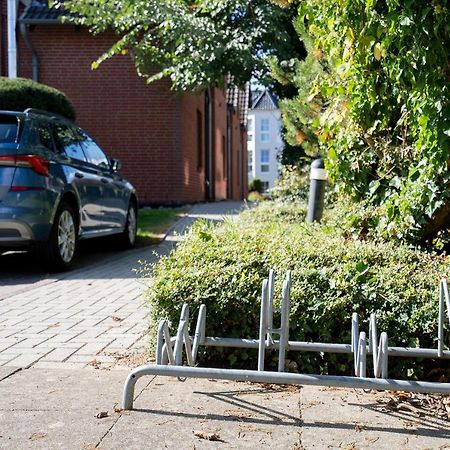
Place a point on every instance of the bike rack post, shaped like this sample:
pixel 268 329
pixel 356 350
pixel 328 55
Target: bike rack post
pixel 284 325
pixel 263 324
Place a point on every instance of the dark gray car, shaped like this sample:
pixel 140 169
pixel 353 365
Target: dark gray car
pixel 57 186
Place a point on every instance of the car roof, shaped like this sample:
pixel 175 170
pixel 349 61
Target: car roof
pixel 36 112
pixel 12 113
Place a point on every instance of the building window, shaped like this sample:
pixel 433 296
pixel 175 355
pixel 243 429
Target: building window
pixel 199 140
pixel 250 161
pixel 264 125
pixel 265 168
pixel 265 156
pixel 250 125
pixel 250 137
pixel 265 185
pixel 264 128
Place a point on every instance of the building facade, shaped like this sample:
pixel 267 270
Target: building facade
pixel 174 148
pixel 264 140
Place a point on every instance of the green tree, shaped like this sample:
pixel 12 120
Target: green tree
pixel 374 97
pixel 194 43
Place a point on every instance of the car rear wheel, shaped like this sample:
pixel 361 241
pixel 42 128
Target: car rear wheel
pixel 128 236
pixel 59 251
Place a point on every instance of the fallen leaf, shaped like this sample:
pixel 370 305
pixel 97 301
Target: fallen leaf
pixel 358 428
pixel 89 446
pixel 36 436
pixel 102 414
pixel 116 319
pixel 117 408
pixel 207 436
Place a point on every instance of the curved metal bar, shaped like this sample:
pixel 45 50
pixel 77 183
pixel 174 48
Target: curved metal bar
pixel 443 295
pixel 284 326
pixel 384 353
pixel 263 325
pixel 184 319
pixel 160 341
pixel 199 337
pixel 379 349
pixel 276 378
pixel 362 352
pixel 355 331
pixel 269 305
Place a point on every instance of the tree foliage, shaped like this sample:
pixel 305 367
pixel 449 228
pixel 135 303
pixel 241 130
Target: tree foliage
pixel 193 43
pixel 374 97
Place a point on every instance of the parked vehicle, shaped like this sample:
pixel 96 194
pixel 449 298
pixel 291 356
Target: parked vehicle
pixel 57 186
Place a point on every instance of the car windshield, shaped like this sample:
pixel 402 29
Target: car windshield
pixel 8 129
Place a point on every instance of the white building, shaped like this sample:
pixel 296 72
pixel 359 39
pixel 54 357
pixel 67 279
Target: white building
pixel 264 139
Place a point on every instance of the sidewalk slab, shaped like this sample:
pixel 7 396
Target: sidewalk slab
pixel 175 415
pixel 5 372
pixel 354 419
pixel 56 409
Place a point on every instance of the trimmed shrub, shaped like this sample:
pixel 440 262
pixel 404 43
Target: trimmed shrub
pixel 19 94
pixel 292 185
pixel 255 186
pixel 333 275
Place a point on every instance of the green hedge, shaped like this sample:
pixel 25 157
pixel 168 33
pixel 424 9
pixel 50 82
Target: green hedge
pixel 333 275
pixel 20 94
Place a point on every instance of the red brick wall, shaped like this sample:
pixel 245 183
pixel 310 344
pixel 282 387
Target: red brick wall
pixel 193 159
pixel 131 120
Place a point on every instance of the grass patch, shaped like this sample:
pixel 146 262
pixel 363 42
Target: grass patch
pixel 153 223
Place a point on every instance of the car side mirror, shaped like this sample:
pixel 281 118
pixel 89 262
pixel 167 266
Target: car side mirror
pixel 116 165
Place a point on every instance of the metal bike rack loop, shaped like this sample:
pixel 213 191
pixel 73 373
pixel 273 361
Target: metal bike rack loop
pixel 170 350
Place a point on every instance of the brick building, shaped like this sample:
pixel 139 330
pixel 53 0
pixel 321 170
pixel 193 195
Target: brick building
pixel 174 148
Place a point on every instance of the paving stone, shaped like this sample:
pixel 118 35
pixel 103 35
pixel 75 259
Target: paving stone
pixel 79 307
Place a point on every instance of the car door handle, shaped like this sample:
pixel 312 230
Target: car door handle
pixel 79 175
pixel 104 180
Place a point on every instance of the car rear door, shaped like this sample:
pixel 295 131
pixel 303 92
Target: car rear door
pixel 81 176
pixel 9 130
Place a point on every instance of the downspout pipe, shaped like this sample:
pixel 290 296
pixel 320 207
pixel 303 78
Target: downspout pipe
pixel 210 168
pixel 24 28
pixel 12 40
pixel 229 173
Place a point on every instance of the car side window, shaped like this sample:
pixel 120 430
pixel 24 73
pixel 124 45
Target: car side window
pixel 45 135
pixel 8 128
pixel 68 142
pixel 93 152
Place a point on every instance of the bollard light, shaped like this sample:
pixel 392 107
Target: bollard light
pixel 316 190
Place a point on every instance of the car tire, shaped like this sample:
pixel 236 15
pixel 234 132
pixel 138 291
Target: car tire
pixel 128 236
pixel 59 251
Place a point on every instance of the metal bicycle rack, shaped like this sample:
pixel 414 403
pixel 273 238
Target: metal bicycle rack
pixel 170 350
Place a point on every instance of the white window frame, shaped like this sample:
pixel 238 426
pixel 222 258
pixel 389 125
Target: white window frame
pixel 264 125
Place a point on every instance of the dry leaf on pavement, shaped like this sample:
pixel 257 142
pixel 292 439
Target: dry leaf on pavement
pixel 36 436
pixel 207 436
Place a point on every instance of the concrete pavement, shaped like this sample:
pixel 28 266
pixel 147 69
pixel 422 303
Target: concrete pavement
pixel 62 336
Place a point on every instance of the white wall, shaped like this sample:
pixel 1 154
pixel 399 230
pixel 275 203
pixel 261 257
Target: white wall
pixel 274 145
